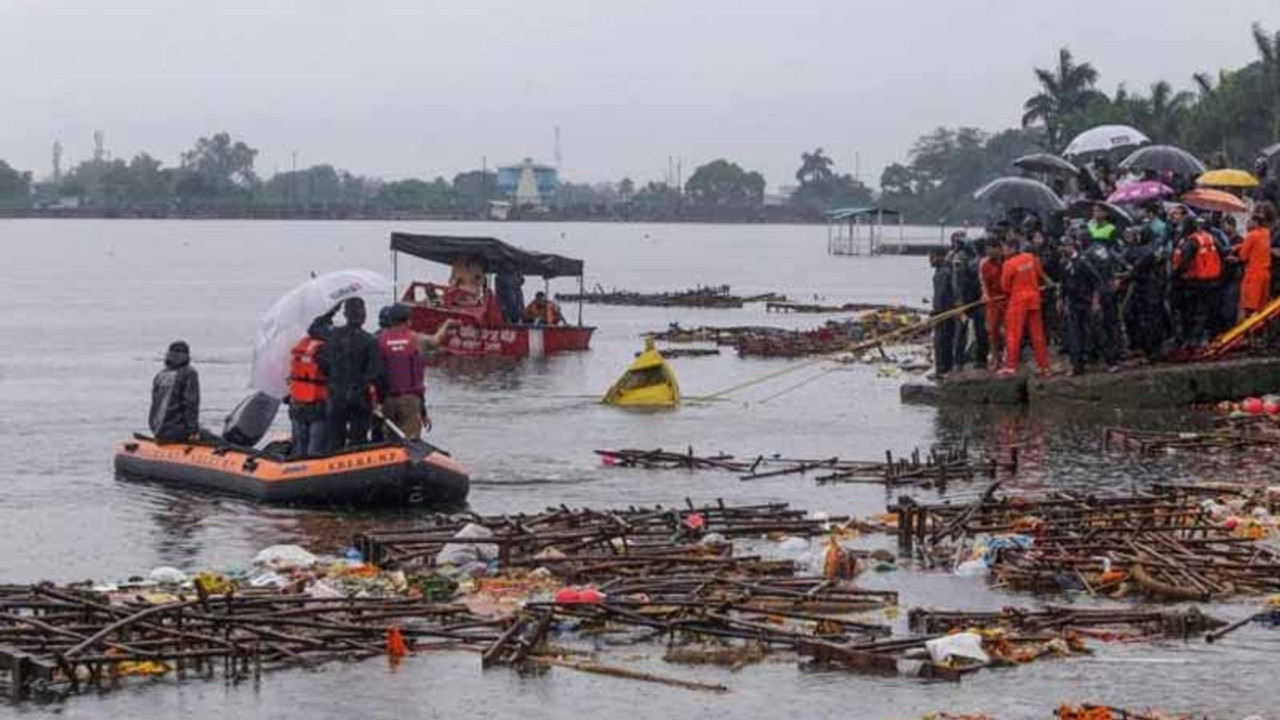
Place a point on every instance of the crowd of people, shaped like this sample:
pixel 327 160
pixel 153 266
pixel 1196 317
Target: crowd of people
pixel 1101 292
pixel 347 387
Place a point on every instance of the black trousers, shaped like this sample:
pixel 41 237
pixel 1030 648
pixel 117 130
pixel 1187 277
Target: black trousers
pixel 1110 342
pixel 944 343
pixel 1079 321
pixel 349 419
pixel 980 349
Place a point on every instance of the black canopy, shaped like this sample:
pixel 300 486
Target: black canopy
pixel 496 254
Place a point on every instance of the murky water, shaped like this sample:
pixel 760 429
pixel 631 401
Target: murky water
pixel 87 308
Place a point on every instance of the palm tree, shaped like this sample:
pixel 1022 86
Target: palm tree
pixel 1064 92
pixel 1269 64
pixel 1168 111
pixel 814 168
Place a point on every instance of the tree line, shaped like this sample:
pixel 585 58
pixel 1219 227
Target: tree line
pixel 1225 118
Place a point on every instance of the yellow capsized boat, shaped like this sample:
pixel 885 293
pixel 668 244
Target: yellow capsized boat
pixel 649 382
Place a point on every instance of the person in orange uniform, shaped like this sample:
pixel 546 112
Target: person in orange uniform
pixel 993 296
pixel 1255 254
pixel 1020 277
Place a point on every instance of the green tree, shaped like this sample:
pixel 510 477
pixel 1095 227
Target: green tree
pixel 721 183
pixel 1065 91
pixel 415 196
pixel 217 167
pixel 475 189
pixel 626 189
pixel 1268 64
pixel 814 168
pixel 15 187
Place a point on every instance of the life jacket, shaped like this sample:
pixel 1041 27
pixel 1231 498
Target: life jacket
pixel 307 384
pixel 403 364
pixel 1207 264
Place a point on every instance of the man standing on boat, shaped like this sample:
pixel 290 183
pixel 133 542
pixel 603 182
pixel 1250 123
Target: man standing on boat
pixel 401 352
pixel 308 396
pixel 349 359
pixel 175 397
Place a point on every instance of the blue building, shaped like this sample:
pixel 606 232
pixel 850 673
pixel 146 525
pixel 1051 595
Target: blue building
pixel 528 183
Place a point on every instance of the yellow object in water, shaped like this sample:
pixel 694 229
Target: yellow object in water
pixel 649 382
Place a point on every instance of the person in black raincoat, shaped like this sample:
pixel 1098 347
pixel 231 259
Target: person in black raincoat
pixel 175 397
pixel 1078 290
pixel 1109 337
pixel 966 288
pixel 349 359
pixel 944 333
pixel 1145 321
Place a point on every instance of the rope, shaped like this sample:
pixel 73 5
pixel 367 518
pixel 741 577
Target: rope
pixel 903 332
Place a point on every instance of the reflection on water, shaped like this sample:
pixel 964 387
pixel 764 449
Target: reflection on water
pixel 76 378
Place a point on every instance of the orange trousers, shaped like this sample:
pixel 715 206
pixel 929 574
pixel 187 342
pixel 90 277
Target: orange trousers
pixel 995 325
pixel 1022 315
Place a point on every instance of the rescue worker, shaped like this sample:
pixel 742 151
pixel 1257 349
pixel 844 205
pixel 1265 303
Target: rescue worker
pixel 967 289
pixel 1255 255
pixel 308 398
pixel 1109 340
pixel 1081 282
pixel 1020 278
pixel 1101 229
pixel 944 332
pixel 401 352
pixel 543 311
pixel 349 359
pixel 175 398
pixel 1198 267
pixel 509 287
pixel 1145 320
pixel 993 297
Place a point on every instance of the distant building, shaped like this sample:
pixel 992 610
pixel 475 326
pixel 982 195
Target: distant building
pixel 528 183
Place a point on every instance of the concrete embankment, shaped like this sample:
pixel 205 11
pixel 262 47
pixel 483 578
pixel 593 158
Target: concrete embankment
pixel 1168 385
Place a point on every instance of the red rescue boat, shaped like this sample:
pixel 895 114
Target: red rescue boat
pixel 469 298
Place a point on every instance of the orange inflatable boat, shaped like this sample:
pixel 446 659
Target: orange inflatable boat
pixel 385 475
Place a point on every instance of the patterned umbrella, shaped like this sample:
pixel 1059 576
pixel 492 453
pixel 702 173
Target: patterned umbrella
pixel 1214 201
pixel 1140 192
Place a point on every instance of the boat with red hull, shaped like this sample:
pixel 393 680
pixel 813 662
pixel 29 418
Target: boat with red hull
pixel 481 330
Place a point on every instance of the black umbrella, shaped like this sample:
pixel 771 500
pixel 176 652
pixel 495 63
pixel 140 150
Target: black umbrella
pixel 1013 193
pixel 1164 158
pixel 1083 209
pixel 1047 163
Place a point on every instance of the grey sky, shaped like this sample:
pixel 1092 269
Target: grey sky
pixel 416 87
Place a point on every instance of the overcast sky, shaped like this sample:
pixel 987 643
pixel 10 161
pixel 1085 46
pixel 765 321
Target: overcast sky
pixel 421 88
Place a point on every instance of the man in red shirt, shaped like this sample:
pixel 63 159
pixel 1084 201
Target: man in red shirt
pixel 993 296
pixel 1020 277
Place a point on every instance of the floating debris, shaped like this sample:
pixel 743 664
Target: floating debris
pixel 1170 544
pixel 699 297
pixel 1147 442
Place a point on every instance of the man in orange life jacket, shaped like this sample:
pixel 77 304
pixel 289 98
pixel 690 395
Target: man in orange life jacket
pixel 1020 277
pixel 542 311
pixel 1197 265
pixel 404 371
pixel 308 393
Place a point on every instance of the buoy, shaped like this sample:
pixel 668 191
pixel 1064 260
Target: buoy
pixel 568 596
pixel 590 596
pixel 1272 408
pixel 1252 405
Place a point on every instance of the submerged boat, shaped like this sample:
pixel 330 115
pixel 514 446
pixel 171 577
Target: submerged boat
pixel 648 382
pixel 469 300
pixel 378 475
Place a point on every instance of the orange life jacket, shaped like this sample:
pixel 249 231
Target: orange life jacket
pixel 1206 265
pixel 307 384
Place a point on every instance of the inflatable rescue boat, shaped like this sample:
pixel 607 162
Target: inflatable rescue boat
pixel 416 473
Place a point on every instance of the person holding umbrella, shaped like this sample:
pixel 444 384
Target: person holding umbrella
pixel 1101 229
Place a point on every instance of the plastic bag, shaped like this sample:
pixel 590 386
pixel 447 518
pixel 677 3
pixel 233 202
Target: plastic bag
pixel 166 575
pixel 459 554
pixel 284 557
pixel 965 647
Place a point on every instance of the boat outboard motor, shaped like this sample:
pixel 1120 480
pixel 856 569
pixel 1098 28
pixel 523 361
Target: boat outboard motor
pixel 251 420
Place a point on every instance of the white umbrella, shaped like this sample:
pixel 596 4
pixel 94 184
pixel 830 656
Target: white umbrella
pixel 1105 138
pixel 288 319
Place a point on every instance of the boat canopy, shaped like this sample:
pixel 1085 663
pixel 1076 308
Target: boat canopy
pixel 851 212
pixel 448 249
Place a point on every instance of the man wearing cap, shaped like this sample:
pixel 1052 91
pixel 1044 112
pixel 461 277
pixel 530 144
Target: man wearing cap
pixel 401 351
pixel 175 397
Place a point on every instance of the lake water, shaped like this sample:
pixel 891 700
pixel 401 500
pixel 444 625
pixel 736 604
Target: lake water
pixel 89 306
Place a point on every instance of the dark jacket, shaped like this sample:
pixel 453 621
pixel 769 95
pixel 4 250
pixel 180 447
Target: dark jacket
pixel 943 293
pixel 1080 281
pixel 175 400
pixel 349 359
